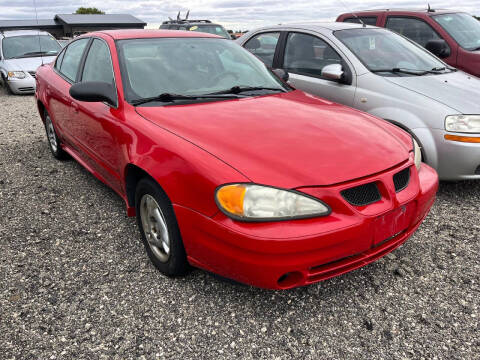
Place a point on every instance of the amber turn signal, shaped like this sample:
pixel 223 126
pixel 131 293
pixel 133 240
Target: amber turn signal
pixel 466 139
pixel 231 198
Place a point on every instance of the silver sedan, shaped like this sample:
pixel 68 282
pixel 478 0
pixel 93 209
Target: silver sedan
pixel 386 75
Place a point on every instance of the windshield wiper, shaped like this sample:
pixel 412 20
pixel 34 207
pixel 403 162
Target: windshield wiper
pixel 240 89
pixel 35 53
pixel 403 71
pixel 168 97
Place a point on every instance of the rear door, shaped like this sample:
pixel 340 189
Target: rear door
pixel 66 67
pixel 304 55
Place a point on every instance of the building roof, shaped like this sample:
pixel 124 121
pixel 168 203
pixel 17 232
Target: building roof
pixel 97 19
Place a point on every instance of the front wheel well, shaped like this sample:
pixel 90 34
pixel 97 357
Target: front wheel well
pixel 424 156
pixel 41 110
pixel 133 174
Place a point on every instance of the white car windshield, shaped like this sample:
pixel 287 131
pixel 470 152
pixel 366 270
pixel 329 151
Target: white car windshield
pixel 15 47
pixel 211 29
pixel 464 28
pixel 382 50
pixel 190 66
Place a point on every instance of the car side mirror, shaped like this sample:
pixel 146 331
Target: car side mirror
pixel 333 72
pixel 94 91
pixel 233 36
pixel 438 48
pixel 281 74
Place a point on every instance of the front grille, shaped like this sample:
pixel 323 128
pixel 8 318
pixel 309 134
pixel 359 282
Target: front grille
pixel 362 195
pixel 33 73
pixel 477 171
pixel 401 179
pixel 26 89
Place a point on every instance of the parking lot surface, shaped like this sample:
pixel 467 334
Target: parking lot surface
pixel 75 282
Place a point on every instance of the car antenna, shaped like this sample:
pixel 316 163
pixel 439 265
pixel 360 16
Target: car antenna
pixel 186 16
pixel 353 13
pixel 38 31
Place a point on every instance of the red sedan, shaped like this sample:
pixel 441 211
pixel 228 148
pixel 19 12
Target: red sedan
pixel 226 167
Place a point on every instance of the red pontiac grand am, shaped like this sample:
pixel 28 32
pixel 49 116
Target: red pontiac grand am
pixel 226 167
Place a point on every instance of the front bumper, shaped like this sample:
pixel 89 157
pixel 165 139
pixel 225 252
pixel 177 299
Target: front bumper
pixel 457 160
pixel 280 255
pixel 22 86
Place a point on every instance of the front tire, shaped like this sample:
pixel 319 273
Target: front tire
pixel 53 141
pixel 7 87
pixel 159 229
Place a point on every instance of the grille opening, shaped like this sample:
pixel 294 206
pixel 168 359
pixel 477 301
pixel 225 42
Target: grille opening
pixel 477 171
pixel 401 179
pixel 362 195
pixel 33 74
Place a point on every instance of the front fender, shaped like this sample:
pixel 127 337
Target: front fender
pixel 188 174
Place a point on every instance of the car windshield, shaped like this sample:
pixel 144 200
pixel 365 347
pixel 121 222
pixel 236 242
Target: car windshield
pixel 29 46
pixel 380 49
pixel 190 66
pixel 464 28
pixel 211 29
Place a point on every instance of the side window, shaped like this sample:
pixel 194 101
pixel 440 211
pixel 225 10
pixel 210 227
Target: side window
pixel 72 58
pixel 98 65
pixel 414 29
pixel 263 46
pixel 58 62
pixel 367 20
pixel 307 54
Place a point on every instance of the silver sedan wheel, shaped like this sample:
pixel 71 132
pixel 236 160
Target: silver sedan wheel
pixel 155 227
pixel 52 138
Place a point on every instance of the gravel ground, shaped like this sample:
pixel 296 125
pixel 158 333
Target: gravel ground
pixel 76 283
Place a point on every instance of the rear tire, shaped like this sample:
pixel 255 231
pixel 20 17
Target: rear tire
pixel 54 142
pixel 159 229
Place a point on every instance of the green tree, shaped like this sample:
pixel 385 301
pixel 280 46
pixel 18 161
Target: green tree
pixel 89 10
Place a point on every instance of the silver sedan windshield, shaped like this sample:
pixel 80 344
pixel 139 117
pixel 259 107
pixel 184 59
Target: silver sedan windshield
pixel 380 49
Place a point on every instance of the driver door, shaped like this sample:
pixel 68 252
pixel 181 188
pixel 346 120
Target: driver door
pixel 304 57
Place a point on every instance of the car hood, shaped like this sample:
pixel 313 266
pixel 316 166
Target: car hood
pixel 457 90
pixel 289 139
pixel 27 64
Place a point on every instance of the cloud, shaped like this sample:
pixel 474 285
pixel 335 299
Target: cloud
pixel 242 14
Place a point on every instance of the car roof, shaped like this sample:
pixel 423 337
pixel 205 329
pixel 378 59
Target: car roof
pixel 317 26
pixel 11 33
pixel 412 11
pixel 150 33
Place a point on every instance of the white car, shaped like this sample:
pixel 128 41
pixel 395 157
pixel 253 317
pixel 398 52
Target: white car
pixel 21 53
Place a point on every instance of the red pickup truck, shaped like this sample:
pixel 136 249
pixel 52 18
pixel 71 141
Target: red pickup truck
pixel 451 35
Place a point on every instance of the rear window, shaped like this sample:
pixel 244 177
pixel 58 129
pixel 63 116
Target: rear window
pixel 367 20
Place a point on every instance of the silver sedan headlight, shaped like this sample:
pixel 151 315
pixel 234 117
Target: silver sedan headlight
pixel 463 123
pixel 16 75
pixel 418 154
pixel 251 202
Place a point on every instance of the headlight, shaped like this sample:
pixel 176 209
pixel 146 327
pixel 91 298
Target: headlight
pixel 16 75
pixel 463 123
pixel 418 154
pixel 251 202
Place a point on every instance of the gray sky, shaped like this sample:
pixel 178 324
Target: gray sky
pixel 235 14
